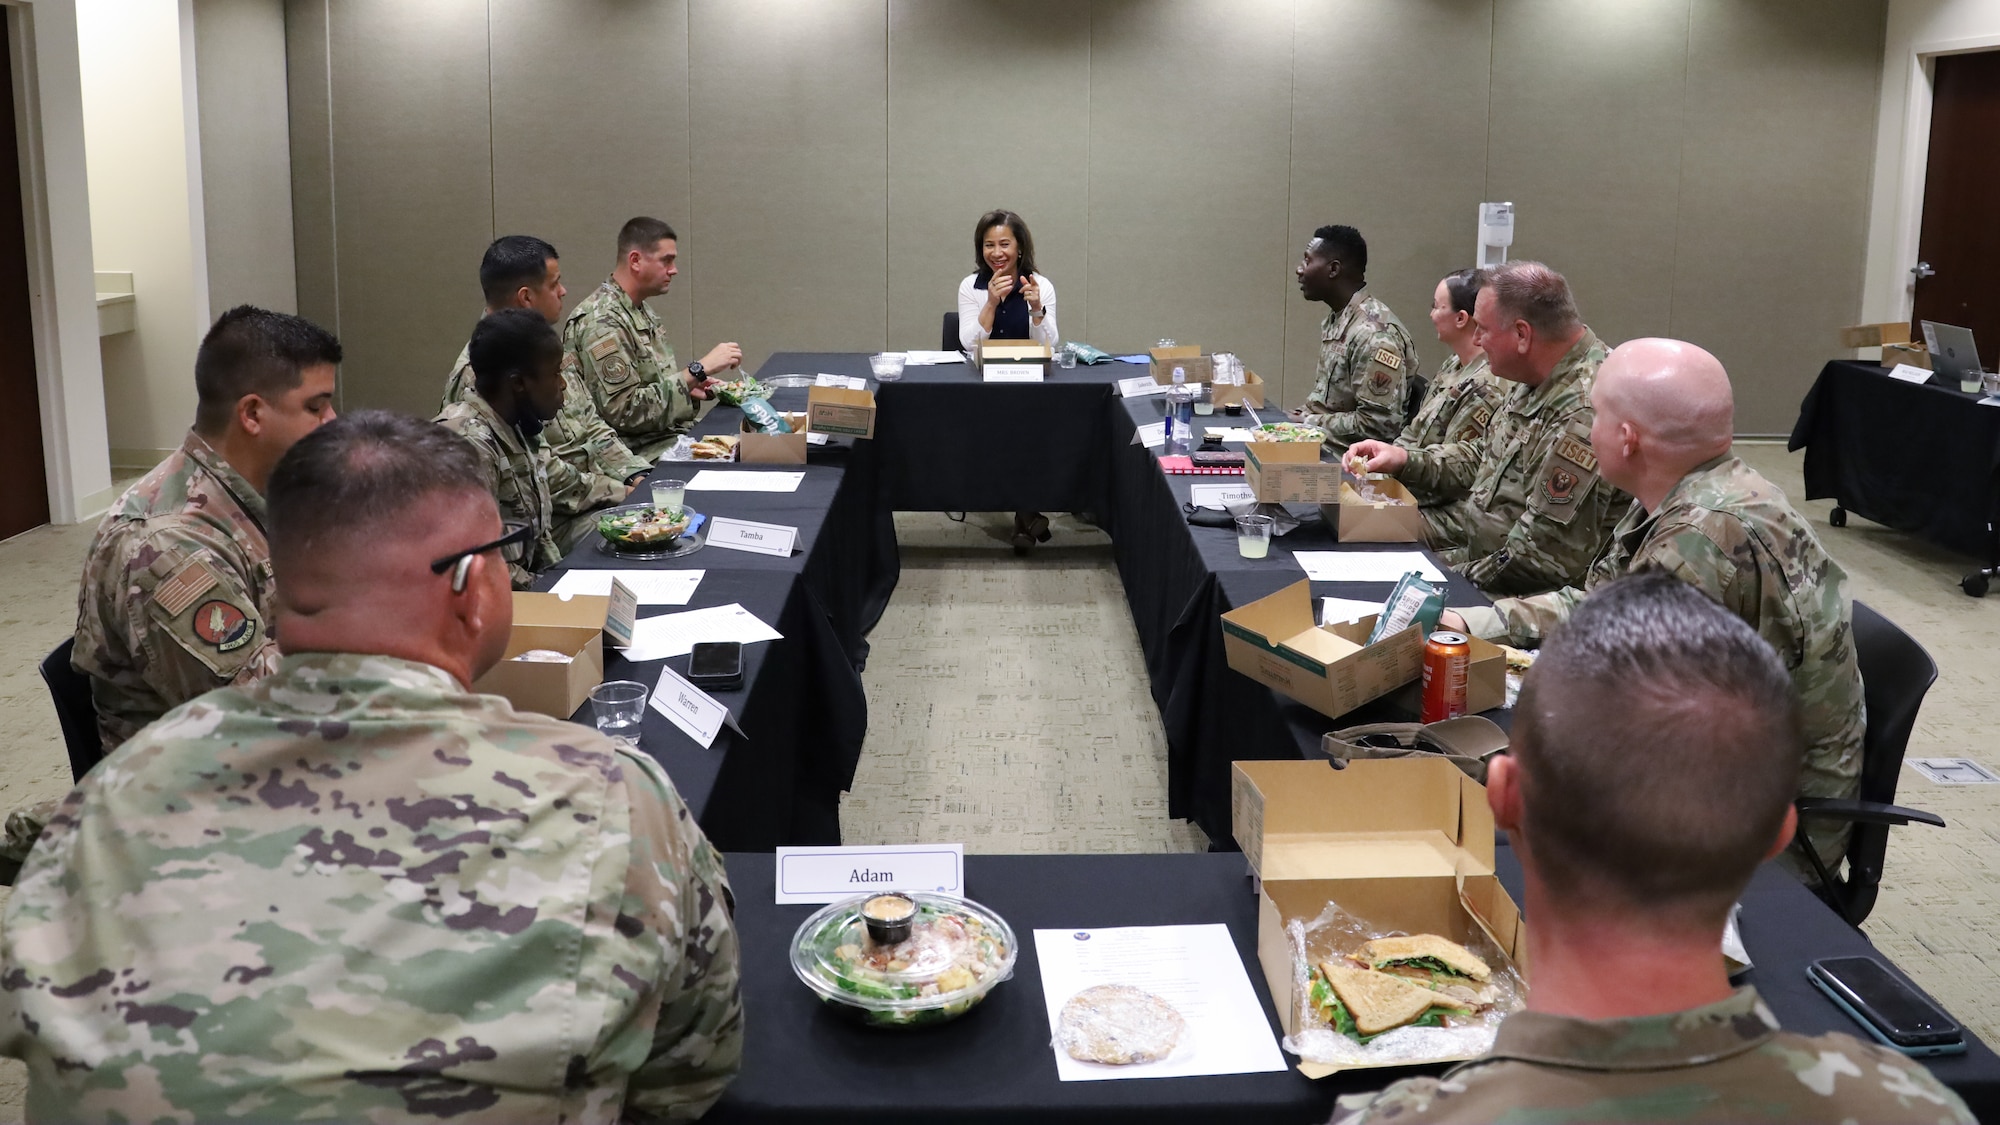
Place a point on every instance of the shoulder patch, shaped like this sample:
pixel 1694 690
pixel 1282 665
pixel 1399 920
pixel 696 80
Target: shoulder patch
pixel 185 585
pixel 1570 449
pixel 1389 359
pixel 1481 416
pixel 603 346
pixel 222 626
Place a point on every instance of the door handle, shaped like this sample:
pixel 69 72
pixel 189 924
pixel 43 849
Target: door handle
pixel 1922 270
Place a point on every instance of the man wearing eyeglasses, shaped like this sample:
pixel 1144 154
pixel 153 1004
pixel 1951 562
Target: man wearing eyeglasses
pixel 359 891
pixel 518 387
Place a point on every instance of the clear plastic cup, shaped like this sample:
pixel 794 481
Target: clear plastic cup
pixel 670 494
pixel 1253 536
pixel 1204 402
pixel 619 707
pixel 888 366
pixel 1066 356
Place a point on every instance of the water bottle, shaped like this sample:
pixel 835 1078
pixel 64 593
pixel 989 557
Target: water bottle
pixel 1180 415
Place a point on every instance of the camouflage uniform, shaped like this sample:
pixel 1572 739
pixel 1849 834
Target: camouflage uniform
pixel 1536 513
pixel 518 466
pixel 1725 1062
pixel 1458 406
pixel 355 891
pixel 175 591
pixel 630 369
pixel 588 466
pixel 1731 534
pixel 1365 354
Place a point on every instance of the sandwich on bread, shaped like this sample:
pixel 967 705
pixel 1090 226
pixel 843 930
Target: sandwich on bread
pixel 1433 962
pixel 1362 1004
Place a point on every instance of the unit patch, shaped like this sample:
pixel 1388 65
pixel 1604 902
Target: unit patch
pixel 222 626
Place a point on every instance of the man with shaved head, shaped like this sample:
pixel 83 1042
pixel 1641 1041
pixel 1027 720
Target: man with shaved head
pixel 1665 418
pixel 358 891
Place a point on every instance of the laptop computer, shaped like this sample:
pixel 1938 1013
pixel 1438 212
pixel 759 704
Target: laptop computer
pixel 1953 354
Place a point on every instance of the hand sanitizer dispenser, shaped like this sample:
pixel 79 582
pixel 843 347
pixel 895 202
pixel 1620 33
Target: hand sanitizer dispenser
pixel 1496 233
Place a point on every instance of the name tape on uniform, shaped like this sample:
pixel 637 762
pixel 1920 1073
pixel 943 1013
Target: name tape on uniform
pixel 831 874
pixel 757 538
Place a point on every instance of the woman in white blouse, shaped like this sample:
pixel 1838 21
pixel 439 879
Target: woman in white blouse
pixel 1004 298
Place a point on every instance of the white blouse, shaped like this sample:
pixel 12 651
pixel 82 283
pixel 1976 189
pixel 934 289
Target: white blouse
pixel 971 302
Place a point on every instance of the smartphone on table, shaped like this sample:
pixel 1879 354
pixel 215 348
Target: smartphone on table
pixel 1891 1008
pixel 716 665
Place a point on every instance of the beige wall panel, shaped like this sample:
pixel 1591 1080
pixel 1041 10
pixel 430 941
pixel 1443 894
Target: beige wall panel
pixel 1774 199
pixel 1190 136
pixel 1388 136
pixel 316 270
pixel 789 136
pixel 413 198
pixel 989 106
pixel 1586 140
pixel 246 163
pixel 590 127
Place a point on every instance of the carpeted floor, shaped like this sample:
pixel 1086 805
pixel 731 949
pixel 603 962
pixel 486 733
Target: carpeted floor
pixel 1009 710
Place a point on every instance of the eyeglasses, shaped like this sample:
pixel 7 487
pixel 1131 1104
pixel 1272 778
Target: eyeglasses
pixel 462 560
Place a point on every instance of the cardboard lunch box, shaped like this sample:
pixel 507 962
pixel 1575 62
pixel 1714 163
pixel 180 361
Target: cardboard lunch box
pixel 1250 393
pixel 1404 844
pixel 759 448
pixel 1916 355
pixel 1875 335
pixel 1162 361
pixel 573 626
pixel 841 412
pixel 1290 472
pixel 1001 358
pixel 1355 520
pixel 1332 668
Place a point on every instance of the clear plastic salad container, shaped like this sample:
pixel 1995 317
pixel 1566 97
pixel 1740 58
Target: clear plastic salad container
pixel 956 952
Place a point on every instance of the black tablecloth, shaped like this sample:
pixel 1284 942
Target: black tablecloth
pixel 1918 458
pixel 803 1062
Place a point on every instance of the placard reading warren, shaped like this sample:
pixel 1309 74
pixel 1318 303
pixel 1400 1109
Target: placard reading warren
pixel 831 874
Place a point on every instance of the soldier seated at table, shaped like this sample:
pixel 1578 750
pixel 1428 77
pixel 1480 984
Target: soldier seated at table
pixel 589 468
pixel 1656 749
pixel 1459 403
pixel 1665 421
pixel 1366 356
pixel 358 891
pixel 621 348
pixel 1534 512
pixel 517 389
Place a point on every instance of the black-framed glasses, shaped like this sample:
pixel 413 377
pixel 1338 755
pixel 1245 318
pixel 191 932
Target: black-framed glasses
pixel 462 560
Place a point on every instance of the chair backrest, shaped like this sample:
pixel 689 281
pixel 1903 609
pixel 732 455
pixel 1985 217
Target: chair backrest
pixel 70 689
pixel 1413 398
pixel 1896 672
pixel 949 342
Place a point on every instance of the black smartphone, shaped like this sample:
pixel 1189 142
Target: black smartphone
pixel 1891 1008
pixel 716 664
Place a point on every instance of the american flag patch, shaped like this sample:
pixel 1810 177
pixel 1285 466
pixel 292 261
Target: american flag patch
pixel 188 583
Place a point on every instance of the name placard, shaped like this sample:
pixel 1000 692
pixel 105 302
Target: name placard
pixel 824 875
pixel 693 710
pixel 757 538
pixel 1012 372
pixel 1909 374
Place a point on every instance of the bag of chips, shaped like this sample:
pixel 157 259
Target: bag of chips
pixel 1413 599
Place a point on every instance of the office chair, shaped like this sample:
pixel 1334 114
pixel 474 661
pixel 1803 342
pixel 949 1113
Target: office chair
pixel 950 342
pixel 70 690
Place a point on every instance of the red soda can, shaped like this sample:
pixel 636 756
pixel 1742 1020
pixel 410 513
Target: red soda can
pixel 1447 657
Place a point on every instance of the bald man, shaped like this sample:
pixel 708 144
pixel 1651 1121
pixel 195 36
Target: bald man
pixel 1665 418
pixel 358 891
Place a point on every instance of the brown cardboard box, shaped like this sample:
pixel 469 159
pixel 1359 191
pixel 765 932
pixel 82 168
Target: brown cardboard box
pixel 1358 521
pixel 840 412
pixel 574 626
pixel 1332 668
pixel 1406 844
pixel 757 448
pixel 1290 472
pixel 1251 393
pixel 1014 355
pixel 1916 355
pixel 1198 367
pixel 1875 335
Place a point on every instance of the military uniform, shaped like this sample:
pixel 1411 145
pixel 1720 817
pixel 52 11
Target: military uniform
pixel 587 467
pixel 176 592
pixel 518 466
pixel 356 891
pixel 625 360
pixel 1458 406
pixel 1731 534
pixel 1365 358
pixel 1534 512
pixel 1725 1062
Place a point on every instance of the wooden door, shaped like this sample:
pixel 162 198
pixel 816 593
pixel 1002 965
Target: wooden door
pixel 1961 226
pixel 24 502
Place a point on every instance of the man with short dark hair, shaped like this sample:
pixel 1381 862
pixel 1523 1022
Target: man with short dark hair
pixel 1655 754
pixel 518 388
pixel 1534 512
pixel 1366 356
pixel 621 349
pixel 358 890
pixel 177 583
pixel 589 467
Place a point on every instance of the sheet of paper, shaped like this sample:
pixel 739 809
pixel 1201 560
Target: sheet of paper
pixel 1346 609
pixel 757 538
pixel 653 587
pixel 1139 386
pixel 1990 401
pixel 696 712
pixel 808 874
pixel 931 359
pixel 1229 433
pixel 815 439
pixel 1909 374
pixel 1194 968
pixel 1365 566
pixel 744 480
pixel 676 634
pixel 1153 433
pixel 846 382
pixel 1221 495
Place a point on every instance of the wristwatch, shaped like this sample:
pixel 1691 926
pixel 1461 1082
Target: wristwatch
pixel 696 371
pixel 1039 313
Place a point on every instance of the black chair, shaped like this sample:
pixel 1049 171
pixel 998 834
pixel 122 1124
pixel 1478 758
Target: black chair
pixel 1413 399
pixel 70 690
pixel 950 342
pixel 1895 674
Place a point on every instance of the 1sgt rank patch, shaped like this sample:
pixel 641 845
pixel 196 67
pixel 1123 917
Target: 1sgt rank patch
pixel 222 626
pixel 1566 477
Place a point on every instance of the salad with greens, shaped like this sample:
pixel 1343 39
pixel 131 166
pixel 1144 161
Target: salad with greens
pixel 1289 431
pixel 956 952
pixel 734 392
pixel 642 525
